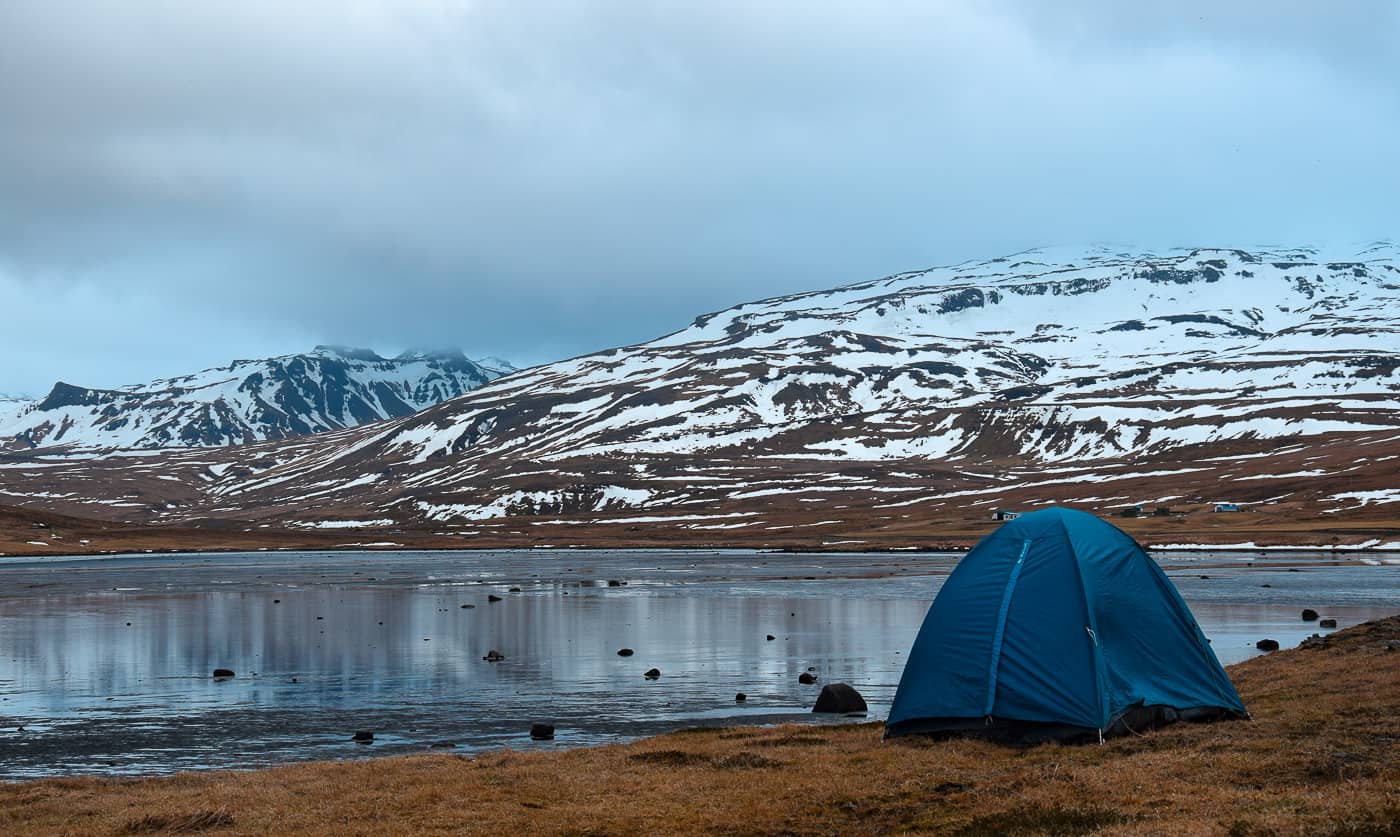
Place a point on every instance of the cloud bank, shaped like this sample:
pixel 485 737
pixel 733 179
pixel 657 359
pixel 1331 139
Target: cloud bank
pixel 185 183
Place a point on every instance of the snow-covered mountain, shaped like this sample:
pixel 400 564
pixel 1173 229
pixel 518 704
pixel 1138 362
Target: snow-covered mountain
pixel 1248 374
pixel 329 388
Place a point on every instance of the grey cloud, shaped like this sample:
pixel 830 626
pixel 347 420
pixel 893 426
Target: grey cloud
pixel 542 179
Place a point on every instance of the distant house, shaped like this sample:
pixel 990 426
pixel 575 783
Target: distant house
pixel 1003 514
pixel 1131 511
pixel 1227 507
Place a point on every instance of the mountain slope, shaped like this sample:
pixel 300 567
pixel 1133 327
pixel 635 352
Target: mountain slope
pixel 248 400
pixel 1089 376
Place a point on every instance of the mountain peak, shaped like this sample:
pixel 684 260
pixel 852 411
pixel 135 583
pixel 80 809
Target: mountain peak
pixel 348 352
pixel 447 353
pixel 329 388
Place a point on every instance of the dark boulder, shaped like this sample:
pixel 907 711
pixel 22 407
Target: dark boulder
pixel 542 732
pixel 806 678
pixel 513 590
pixel 493 598
pixel 771 637
pixel 625 652
pixel 840 698
pixel 363 736
pixel 1267 645
pixel 740 697
pixel 1327 623
pixel 614 583
pixel 223 672
pixel 467 606
pixel 1309 615
pixel 494 656
pixel 652 673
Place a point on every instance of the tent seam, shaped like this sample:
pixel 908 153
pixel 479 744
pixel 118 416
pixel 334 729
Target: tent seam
pixel 1100 672
pixel 997 638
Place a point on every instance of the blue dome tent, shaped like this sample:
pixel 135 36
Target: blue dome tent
pixel 1058 626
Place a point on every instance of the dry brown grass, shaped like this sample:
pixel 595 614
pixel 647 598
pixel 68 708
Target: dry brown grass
pixel 1321 757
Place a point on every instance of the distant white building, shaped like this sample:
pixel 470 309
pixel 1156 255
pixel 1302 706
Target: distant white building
pixel 1004 514
pixel 1227 507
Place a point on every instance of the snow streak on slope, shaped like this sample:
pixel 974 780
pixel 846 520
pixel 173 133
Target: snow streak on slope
pixel 246 401
pixel 1050 355
pixel 1051 367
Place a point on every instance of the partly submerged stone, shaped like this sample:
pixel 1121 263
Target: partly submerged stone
pixel 840 698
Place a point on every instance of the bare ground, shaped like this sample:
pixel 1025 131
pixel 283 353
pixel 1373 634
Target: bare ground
pixel 25 531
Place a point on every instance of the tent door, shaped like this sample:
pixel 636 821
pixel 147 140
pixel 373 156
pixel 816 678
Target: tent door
pixel 1001 627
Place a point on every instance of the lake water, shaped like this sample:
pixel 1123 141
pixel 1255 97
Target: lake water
pixel 106 663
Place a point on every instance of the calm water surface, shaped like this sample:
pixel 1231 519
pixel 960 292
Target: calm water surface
pixel 105 663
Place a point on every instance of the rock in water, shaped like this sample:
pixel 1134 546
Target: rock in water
pixel 770 637
pixel 223 672
pixel 494 656
pixel 740 697
pixel 842 698
pixel 363 736
pixel 652 673
pixel 1267 645
pixel 493 598
pixel 806 678
pixel 1327 623
pixel 1309 614
pixel 625 652
pixel 542 732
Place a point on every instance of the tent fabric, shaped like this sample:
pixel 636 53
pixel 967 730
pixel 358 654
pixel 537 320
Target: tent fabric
pixel 1058 625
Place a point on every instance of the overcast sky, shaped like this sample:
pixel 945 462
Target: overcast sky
pixel 186 183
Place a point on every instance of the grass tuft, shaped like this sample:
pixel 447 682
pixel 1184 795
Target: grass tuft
pixel 178 824
pixel 1053 821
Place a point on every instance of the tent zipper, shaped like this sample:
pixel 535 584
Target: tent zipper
pixel 1001 626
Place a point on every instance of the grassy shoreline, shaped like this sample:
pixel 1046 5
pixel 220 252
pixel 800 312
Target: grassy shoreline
pixel 1321 757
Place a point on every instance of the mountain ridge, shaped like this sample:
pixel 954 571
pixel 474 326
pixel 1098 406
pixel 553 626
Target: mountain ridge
pixel 1097 377
pixel 246 400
